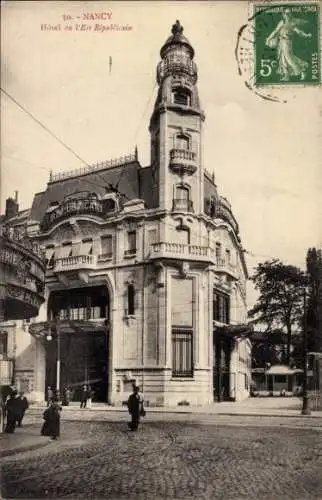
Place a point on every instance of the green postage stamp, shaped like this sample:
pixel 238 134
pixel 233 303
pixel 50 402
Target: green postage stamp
pixel 287 44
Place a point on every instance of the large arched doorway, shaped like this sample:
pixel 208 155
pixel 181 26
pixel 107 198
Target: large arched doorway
pixel 80 340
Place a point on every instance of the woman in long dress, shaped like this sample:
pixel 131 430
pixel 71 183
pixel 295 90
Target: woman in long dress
pixel 281 38
pixel 51 425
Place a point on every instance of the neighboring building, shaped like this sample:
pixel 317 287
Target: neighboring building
pixel 22 285
pixel 146 277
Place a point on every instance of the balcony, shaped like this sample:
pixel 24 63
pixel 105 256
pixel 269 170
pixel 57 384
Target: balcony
pixel 181 251
pixel 128 254
pixel 104 257
pixel 171 65
pixel 222 210
pixel 75 263
pixel 222 265
pixel 183 161
pixel 181 205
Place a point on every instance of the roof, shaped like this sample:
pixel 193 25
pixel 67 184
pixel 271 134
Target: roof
pixel 21 217
pixel 177 38
pixel 125 176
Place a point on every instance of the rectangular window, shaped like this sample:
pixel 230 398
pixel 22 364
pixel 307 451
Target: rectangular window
pixel 221 308
pixel 107 246
pixel 182 236
pixel 131 243
pixel 152 236
pixel 4 344
pixel 218 251
pixel 182 360
pixel 228 256
pixel 181 302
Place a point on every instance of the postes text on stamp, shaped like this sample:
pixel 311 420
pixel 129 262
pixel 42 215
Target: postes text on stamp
pixel 287 44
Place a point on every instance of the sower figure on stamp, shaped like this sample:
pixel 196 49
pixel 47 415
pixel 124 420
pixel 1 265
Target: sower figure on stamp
pixel 281 38
pixel 22 406
pixel 136 408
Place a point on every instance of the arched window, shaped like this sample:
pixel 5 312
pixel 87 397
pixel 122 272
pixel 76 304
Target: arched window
pixel 181 96
pixel 130 299
pixel 182 142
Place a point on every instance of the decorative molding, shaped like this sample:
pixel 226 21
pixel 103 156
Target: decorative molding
pixel 184 269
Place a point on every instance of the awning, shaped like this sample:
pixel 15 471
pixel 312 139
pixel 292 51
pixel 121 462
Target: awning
pixel 49 252
pixel 64 251
pixel 40 330
pixel 86 247
pixel 241 330
pixel 76 248
pixel 280 370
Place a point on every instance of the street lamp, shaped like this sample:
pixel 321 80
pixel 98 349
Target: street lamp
pixel 305 407
pixel 49 338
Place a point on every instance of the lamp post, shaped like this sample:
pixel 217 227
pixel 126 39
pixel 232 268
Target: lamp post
pixel 49 338
pixel 305 407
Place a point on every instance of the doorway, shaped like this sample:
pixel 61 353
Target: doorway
pixel 83 361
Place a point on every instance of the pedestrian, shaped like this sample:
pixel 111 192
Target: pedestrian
pixel 136 408
pixel 51 416
pixel 22 404
pixel 12 413
pixel 90 397
pixel 84 397
pixel 50 395
pixel 66 396
pixel 2 413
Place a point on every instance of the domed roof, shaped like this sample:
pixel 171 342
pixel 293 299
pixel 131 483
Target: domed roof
pixel 177 38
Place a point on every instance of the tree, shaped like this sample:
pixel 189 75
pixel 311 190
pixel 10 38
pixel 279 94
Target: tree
pixel 280 301
pixel 314 311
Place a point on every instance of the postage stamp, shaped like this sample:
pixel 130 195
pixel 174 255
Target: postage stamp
pixel 287 44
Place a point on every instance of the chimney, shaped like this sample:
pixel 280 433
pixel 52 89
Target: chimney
pixel 12 207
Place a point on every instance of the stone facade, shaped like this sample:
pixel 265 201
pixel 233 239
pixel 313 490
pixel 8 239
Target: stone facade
pixel 147 261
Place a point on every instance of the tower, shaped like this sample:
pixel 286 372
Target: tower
pixel 176 129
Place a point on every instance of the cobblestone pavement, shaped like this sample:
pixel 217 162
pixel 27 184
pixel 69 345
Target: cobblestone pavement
pixel 169 460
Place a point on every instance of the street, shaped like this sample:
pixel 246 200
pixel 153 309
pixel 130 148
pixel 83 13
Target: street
pixel 177 458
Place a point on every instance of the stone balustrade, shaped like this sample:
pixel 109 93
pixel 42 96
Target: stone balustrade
pixel 75 262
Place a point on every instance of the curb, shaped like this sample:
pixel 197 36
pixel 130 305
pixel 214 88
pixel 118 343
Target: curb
pixel 191 412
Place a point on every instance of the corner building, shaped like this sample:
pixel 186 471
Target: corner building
pixel 146 277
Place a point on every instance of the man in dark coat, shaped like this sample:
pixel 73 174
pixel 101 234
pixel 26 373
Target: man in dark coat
pixel 50 394
pixel 84 397
pixel 51 425
pixel 12 412
pixel 135 407
pixel 22 406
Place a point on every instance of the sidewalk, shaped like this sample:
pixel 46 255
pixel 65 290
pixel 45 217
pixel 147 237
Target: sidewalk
pixel 261 407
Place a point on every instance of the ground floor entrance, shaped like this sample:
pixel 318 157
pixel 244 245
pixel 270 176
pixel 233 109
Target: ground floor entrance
pixel 83 361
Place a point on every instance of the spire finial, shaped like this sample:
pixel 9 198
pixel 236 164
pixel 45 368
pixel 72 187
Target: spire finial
pixel 177 29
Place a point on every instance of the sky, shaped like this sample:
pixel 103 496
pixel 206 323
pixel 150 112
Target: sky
pixel 266 155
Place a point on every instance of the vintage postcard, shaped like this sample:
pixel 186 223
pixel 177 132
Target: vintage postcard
pixel 160 234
